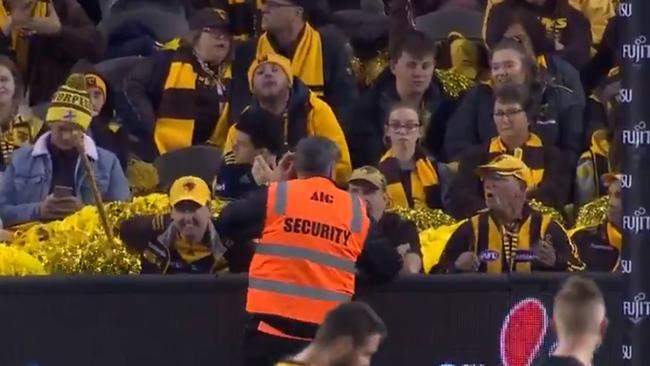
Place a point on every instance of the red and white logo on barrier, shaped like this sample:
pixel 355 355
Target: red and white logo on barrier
pixel 523 332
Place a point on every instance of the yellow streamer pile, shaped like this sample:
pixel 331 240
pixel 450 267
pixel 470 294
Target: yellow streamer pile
pixel 16 262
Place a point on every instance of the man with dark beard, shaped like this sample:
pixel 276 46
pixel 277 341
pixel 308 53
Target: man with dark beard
pixel 350 335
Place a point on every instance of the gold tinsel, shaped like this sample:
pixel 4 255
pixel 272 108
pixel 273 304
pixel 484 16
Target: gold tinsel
pixel 142 176
pixel 16 262
pixel 593 213
pixel 555 214
pixel 78 244
pixel 367 71
pixel 454 83
pixel 424 218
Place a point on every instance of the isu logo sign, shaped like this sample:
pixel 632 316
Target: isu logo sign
pixel 523 332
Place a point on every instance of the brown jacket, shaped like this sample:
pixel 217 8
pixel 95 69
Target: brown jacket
pixel 52 57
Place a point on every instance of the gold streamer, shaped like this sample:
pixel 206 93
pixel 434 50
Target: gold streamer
pixel 454 83
pixel 546 210
pixel 593 213
pixel 424 218
pixel 16 262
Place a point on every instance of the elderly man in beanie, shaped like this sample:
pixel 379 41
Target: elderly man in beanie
pixel 259 136
pixel 508 236
pixel 317 57
pixel 185 240
pixel 178 98
pixel 303 113
pixel 48 180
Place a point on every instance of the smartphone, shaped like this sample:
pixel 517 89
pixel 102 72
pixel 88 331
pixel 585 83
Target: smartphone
pixel 62 191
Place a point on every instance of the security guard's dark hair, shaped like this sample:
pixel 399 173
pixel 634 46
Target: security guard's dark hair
pixel 316 156
pixel 353 319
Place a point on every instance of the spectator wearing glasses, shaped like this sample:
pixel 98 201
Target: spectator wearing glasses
pixel 318 58
pixel 410 79
pixel 179 98
pixel 555 113
pixel 414 180
pixel 550 178
pixel 47 38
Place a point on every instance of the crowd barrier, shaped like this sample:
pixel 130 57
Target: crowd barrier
pixel 197 320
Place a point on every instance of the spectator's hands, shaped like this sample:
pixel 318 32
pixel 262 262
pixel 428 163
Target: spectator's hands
pixel 545 252
pixel 54 207
pixel 265 172
pixel 467 262
pixel 44 26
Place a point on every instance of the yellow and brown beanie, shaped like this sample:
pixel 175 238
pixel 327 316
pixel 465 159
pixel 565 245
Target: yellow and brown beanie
pixel 71 103
pixel 283 62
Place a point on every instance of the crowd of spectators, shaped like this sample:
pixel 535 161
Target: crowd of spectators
pixel 430 129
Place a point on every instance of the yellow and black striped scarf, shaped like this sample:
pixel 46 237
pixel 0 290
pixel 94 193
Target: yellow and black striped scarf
pixel 19 44
pixel 18 133
pixel 307 61
pixel 176 113
pixel 531 153
pixel 507 241
pixel 425 188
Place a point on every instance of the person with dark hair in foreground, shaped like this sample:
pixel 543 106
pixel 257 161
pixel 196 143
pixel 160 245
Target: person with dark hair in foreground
pixel 349 336
pixel 580 321
pixel 313 237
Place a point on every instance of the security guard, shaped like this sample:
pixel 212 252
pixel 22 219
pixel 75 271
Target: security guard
pixel 508 236
pixel 312 238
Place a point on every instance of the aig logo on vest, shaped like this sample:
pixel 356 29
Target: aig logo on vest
pixel 637 51
pixel 637 223
pixel 625 10
pixel 638 309
pixel 637 136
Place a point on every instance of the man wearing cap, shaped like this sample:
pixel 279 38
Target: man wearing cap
pixel 368 183
pixel 48 180
pixel 313 237
pixel 303 114
pixel 184 241
pixel 177 98
pixel 317 57
pixel 600 245
pixel 259 136
pixel 508 236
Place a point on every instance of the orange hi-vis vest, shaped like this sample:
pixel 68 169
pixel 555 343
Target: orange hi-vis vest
pixel 305 262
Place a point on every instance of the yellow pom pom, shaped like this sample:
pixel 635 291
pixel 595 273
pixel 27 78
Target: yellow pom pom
pixel 76 81
pixel 593 213
pixel 15 262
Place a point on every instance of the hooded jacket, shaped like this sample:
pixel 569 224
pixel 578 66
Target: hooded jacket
pixel 307 116
pixel 591 167
pixel 558 120
pixel 365 132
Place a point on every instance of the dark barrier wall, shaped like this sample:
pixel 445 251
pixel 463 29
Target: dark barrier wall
pixel 635 30
pixel 434 320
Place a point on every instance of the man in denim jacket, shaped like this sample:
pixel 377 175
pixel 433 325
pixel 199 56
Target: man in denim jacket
pixel 48 180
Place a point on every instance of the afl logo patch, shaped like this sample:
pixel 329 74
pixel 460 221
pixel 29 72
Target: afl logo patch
pixel 489 256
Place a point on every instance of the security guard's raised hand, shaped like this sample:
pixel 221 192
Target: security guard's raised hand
pixel 467 262
pixel 266 172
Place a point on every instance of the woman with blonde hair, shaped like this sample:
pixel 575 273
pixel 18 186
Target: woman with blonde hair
pixel 413 178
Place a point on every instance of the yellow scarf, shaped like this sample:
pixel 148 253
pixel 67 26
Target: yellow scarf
pixel 498 147
pixel 20 44
pixel 423 178
pixel 307 62
pixel 176 114
pixel 614 237
pixel 495 237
